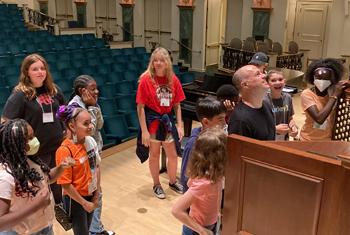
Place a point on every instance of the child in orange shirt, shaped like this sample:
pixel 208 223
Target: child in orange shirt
pixel 206 172
pixel 81 183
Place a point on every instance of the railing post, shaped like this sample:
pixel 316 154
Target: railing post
pixel 272 60
pixel 99 29
pixel 25 13
pixel 56 28
pixel 346 66
pixel 305 59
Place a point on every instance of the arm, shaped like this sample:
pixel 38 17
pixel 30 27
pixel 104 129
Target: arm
pixel 282 129
pixel 14 107
pixel 177 109
pixel 73 193
pixel 179 211
pixel 58 170
pixel 9 219
pixel 142 120
pixel 97 192
pixel 320 116
pixel 96 118
pixel 293 128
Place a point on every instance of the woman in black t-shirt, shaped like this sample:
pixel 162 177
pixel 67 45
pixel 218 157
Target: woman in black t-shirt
pixel 36 99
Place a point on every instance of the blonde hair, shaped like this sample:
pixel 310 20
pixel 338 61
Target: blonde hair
pixel 164 54
pixel 208 157
pixel 25 84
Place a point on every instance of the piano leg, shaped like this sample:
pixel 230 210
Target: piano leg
pixel 187 126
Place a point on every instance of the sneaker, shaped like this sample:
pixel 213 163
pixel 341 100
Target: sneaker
pixel 177 187
pixel 105 232
pixel 158 191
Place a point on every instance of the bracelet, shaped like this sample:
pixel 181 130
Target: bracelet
pixel 334 97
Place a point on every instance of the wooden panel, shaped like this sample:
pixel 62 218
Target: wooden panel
pixel 272 188
pixel 293 210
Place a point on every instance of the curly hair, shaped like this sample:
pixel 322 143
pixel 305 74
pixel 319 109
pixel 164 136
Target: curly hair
pixel 13 137
pixel 208 156
pixel 334 64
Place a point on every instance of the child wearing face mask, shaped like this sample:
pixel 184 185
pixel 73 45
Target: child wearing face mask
pixel 26 202
pixel 319 101
pixel 281 105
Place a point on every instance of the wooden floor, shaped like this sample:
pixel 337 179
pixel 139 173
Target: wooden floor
pixel 129 207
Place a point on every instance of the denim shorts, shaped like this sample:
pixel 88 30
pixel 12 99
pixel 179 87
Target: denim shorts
pixel 45 231
pixel 168 138
pixel 187 231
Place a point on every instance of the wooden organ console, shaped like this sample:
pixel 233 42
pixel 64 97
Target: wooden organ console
pixel 286 188
pixel 341 130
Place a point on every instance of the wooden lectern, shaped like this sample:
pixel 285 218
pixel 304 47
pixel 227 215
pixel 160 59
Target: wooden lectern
pixel 286 188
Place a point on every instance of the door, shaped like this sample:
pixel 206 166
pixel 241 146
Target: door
pixel 215 34
pixel 310 27
pixel 158 23
pixel 107 14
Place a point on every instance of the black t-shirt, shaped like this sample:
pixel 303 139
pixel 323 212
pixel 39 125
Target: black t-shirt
pixel 49 134
pixel 254 123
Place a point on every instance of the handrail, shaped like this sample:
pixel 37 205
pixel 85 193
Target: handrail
pixel 124 29
pixel 183 45
pixel 40 19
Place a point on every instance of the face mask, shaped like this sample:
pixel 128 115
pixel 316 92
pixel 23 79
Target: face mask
pixel 322 84
pixel 34 145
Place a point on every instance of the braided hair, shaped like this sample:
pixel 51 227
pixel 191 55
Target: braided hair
pixel 81 81
pixel 67 113
pixel 13 139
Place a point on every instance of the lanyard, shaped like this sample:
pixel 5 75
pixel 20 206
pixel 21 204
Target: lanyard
pixel 41 106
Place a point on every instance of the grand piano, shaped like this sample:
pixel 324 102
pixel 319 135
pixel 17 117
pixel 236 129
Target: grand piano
pixel 208 85
pixel 199 88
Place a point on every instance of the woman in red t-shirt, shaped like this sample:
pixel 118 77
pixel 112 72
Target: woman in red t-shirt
pixel 159 92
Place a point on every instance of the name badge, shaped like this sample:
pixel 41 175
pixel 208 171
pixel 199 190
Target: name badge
pixel 280 137
pixel 47 117
pixel 165 102
pixel 322 126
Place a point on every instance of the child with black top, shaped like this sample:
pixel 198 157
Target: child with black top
pixel 229 96
pixel 281 105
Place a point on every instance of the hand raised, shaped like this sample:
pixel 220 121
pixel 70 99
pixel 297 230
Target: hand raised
pixel 67 162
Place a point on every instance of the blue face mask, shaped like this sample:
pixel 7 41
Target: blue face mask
pixel 34 145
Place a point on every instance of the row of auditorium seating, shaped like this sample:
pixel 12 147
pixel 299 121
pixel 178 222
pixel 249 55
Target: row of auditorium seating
pixel 116 71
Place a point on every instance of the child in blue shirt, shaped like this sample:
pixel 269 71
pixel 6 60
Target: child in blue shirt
pixel 211 113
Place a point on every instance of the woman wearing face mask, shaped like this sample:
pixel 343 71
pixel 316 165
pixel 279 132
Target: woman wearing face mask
pixel 319 101
pixel 80 183
pixel 36 99
pixel 26 202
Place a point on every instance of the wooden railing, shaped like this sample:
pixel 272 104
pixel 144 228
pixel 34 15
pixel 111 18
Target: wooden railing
pixel 42 20
pixel 290 61
pixel 232 59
